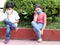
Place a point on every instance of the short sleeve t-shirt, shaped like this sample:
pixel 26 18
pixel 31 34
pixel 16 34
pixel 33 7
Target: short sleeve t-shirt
pixel 40 17
pixel 13 17
pixel 2 16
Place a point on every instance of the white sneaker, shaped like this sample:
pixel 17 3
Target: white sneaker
pixel 39 40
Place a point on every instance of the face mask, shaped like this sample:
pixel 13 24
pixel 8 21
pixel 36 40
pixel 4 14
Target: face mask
pixel 38 11
pixel 9 11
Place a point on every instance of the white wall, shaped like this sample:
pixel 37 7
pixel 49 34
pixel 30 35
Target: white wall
pixel 2 2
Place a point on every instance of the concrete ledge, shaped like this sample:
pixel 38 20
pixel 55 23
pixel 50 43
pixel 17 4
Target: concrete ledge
pixel 28 33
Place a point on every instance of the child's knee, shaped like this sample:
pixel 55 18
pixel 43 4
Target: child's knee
pixel 5 20
pixel 32 22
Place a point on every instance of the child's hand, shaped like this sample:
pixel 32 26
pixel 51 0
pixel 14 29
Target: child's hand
pixel 8 16
pixel 41 32
pixel 9 12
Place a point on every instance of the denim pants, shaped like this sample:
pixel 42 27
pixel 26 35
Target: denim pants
pixel 37 27
pixel 9 26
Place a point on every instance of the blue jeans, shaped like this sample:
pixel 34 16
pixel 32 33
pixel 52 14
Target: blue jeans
pixel 37 27
pixel 9 26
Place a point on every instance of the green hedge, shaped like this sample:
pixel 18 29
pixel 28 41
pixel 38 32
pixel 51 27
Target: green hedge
pixel 25 8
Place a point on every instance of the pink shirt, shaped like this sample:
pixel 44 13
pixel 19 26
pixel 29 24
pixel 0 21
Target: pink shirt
pixel 40 17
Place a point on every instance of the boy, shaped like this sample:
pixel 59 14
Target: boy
pixel 11 20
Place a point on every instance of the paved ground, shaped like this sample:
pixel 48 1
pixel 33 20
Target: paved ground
pixel 29 42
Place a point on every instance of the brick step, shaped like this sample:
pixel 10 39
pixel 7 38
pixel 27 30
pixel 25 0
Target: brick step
pixel 28 33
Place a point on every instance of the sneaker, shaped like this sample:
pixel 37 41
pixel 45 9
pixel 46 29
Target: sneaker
pixel 39 40
pixel 6 40
pixel 15 28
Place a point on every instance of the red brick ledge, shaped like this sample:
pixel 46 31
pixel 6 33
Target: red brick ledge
pixel 28 33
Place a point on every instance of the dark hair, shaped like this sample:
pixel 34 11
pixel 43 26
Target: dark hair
pixel 9 4
pixel 37 6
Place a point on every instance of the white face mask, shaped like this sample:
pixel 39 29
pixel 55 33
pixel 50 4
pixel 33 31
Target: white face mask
pixel 9 11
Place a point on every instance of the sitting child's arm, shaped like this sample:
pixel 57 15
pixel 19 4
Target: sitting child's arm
pixel 2 16
pixel 16 21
